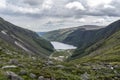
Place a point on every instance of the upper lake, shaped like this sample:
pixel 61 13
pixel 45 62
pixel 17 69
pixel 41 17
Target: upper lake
pixel 62 46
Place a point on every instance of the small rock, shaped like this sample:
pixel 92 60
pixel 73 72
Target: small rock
pixel 41 78
pixel 49 63
pixel 32 75
pixel 23 72
pixel 21 65
pixel 13 61
pixel 12 76
pixel 112 68
pixel 85 76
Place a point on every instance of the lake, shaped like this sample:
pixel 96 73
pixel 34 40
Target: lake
pixel 62 46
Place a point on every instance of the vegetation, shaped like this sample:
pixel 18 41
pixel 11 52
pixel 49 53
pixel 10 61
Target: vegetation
pixel 97 56
pixel 24 39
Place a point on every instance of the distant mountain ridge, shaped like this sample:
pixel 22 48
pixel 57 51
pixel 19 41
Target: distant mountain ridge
pixel 26 40
pixel 59 35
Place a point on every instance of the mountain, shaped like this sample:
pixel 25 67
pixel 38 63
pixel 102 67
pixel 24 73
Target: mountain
pixel 98 61
pixel 85 39
pixel 59 35
pixel 20 39
pixel 105 50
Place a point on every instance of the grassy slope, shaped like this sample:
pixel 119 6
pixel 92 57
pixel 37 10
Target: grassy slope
pixel 85 39
pixel 73 70
pixel 34 65
pixel 106 50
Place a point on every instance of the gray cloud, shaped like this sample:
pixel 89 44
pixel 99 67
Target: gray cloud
pixel 34 8
pixel 56 10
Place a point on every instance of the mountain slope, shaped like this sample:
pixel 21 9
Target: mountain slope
pixel 106 50
pixel 24 39
pixel 90 37
pixel 85 38
pixel 59 35
pixel 62 34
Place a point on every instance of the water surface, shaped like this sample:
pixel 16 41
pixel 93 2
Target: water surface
pixel 62 46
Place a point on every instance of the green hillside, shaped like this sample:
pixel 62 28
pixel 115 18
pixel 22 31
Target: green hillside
pixel 24 39
pixel 85 39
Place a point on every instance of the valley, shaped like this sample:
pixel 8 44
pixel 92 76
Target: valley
pixel 59 40
pixel 79 55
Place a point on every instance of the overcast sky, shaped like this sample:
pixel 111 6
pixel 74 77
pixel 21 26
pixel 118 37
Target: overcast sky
pixel 45 15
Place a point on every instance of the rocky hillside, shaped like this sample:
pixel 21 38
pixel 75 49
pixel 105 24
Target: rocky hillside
pixel 20 39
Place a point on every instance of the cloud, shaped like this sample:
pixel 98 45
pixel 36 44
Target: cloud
pixel 101 20
pixel 94 3
pixel 60 8
pixel 82 20
pixel 36 13
pixel 47 4
pixel 24 10
pixel 2 4
pixel 75 5
pixel 109 6
pixel 33 2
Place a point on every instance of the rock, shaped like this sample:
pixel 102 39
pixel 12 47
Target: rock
pixel 13 61
pixel 12 76
pixel 85 76
pixel 9 66
pixel 23 72
pixel 41 78
pixel 49 63
pixel 21 65
pixel 32 75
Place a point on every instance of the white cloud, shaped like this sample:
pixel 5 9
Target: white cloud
pixel 109 6
pixel 82 20
pixel 2 3
pixel 47 4
pixel 76 5
pixel 101 20
pixel 94 3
